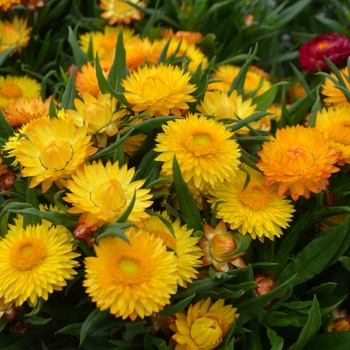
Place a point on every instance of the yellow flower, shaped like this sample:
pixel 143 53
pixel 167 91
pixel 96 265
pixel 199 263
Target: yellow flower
pixel 188 253
pixel 203 147
pixel 13 88
pixel 221 106
pixel 334 123
pixel 333 96
pixel 256 210
pixel 254 80
pixel 54 148
pixel 299 159
pixel 103 193
pixel 14 33
pixel 104 43
pixel 159 90
pixel 21 111
pixel 35 261
pixel 99 115
pixel 133 279
pixel 119 11
pixel 204 326
pixel 6 4
pixel 86 80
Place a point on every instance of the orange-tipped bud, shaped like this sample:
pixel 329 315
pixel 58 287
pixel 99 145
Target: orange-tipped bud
pixel 264 284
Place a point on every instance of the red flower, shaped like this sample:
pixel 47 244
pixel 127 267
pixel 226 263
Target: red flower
pixel 335 46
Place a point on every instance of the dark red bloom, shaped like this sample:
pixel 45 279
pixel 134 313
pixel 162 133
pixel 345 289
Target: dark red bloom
pixel 335 46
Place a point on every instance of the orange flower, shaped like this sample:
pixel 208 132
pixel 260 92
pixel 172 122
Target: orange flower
pixel 299 159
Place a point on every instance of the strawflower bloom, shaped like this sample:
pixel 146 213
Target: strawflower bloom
pixel 222 106
pixel 189 37
pixel 335 123
pixel 204 149
pixel 218 248
pixel 256 209
pixel 103 193
pixel 7 4
pixel 14 33
pixel 120 12
pixel 255 80
pixel 334 46
pixel 35 261
pixel 341 321
pixel 204 325
pixel 333 96
pixel 188 253
pixel 13 88
pixel 299 159
pixel 264 284
pixel 159 90
pixel 21 111
pixel 131 279
pixel 52 149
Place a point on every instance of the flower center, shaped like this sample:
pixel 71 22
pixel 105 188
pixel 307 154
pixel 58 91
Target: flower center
pixel 202 139
pixel 167 238
pixel 10 90
pixel 340 132
pixel 206 331
pixel 255 196
pixel 56 155
pixel 109 195
pixel 322 45
pixel 129 266
pixel 27 253
pixel 297 160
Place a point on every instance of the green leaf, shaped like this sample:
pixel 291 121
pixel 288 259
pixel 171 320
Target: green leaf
pixel 173 309
pixel 333 25
pixel 37 321
pixel 311 327
pixel 242 241
pixel 324 288
pixel 91 322
pixel 164 220
pixel 150 124
pixel 302 81
pixel 80 57
pixel 37 308
pixel 5 126
pixel 124 217
pixel 238 82
pixel 243 122
pixel 118 70
pixel 69 94
pixel 187 205
pixel 6 53
pixel 71 329
pixel 317 255
pixel 315 108
pixel 275 341
pixel 330 341
pixel 250 308
pixel 116 230
pixel 265 100
pixel 345 261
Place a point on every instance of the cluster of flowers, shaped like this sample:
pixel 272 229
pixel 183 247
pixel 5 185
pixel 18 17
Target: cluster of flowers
pixel 62 148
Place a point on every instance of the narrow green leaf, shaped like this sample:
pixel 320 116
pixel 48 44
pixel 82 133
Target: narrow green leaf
pixel 164 220
pixel 215 7
pixel 330 341
pixel 244 122
pixel 6 53
pixel 124 217
pixel 315 108
pixel 5 126
pixel 163 55
pixel 275 341
pixel 187 205
pixel 69 94
pixel 333 25
pixel 265 100
pixel 80 57
pixel 345 261
pixel 37 321
pixel 301 80
pixel 242 241
pixel 151 21
pixel 90 323
pixel 71 329
pixel 173 309
pixel 311 327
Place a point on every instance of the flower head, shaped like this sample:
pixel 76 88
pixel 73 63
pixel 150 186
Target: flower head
pixel 333 96
pixel 132 279
pixel 35 261
pixel 335 123
pixel 159 90
pixel 218 248
pixel 187 251
pixel 203 147
pixel 22 110
pixel 255 79
pixel 256 209
pixel 7 4
pixel 204 325
pixel 334 46
pixel 103 193
pixel 189 37
pixel 14 33
pixel 299 159
pixel 264 284
pixel 53 149
pixel 119 11
pixel 13 88
pixel 222 106
pixel 341 321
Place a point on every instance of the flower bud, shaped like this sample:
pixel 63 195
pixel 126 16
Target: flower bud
pixel 206 331
pixel 264 284
pixel 340 324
